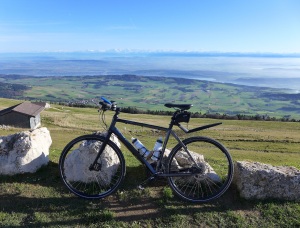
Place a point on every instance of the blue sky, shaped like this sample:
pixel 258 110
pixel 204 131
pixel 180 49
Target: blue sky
pixel 178 25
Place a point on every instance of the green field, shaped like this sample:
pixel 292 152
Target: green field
pixel 150 93
pixel 41 200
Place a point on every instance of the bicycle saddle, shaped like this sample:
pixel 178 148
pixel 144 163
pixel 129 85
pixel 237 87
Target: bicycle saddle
pixel 180 106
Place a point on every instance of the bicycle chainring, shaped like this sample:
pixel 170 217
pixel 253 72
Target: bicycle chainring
pixel 96 167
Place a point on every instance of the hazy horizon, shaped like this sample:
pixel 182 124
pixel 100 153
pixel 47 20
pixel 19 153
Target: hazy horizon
pixel 271 70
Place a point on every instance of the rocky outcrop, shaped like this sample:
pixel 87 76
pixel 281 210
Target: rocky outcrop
pixel 255 180
pixel 25 151
pixel 77 163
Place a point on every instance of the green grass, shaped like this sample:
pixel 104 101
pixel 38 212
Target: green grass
pixel 41 199
pixel 5 103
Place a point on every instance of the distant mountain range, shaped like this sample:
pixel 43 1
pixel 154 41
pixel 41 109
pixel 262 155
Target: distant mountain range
pixel 94 54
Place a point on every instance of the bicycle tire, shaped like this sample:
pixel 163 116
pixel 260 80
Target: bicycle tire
pixel 76 159
pixel 215 164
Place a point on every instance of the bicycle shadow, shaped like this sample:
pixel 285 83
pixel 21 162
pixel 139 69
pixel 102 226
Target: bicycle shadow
pixel 28 194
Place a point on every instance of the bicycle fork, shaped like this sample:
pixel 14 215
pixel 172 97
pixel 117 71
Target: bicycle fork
pixel 96 166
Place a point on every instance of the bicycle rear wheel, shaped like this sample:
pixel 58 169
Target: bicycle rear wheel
pixel 209 177
pixel 76 159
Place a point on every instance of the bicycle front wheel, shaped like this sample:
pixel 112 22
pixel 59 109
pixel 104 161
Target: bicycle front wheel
pixel 75 162
pixel 202 174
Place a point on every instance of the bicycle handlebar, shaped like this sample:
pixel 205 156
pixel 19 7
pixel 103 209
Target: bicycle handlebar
pixel 107 105
pixel 112 105
pixel 105 100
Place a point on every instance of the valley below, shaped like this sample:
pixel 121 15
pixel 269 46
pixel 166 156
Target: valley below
pixel 151 93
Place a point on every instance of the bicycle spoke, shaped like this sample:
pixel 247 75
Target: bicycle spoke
pixel 76 159
pixel 210 176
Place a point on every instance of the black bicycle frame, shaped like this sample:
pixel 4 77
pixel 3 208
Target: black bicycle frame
pixel 114 130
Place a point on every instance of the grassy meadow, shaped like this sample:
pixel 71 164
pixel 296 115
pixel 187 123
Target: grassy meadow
pixel 41 199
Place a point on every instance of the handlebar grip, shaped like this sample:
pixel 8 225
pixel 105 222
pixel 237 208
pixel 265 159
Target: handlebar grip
pixel 108 105
pixel 106 101
pixel 105 105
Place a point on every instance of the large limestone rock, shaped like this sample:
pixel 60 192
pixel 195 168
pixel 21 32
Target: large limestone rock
pixel 78 162
pixel 182 160
pixel 255 180
pixel 25 151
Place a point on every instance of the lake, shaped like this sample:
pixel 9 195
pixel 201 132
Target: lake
pixel 257 70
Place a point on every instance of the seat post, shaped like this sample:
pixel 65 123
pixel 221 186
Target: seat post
pixel 173 118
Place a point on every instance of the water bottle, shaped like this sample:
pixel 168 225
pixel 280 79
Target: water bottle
pixel 157 149
pixel 140 147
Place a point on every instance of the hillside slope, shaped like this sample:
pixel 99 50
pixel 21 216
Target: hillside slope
pixel 41 199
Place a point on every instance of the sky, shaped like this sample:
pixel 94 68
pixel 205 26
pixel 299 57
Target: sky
pixel 153 25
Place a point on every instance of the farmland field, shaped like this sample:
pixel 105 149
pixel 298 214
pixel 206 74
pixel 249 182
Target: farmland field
pixel 150 93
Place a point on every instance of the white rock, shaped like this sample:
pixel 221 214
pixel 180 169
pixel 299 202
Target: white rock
pixel 77 163
pixel 25 151
pixel 183 160
pixel 256 180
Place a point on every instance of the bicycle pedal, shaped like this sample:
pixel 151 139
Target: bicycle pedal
pixel 140 187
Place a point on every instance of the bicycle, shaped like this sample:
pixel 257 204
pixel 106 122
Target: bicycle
pixel 198 168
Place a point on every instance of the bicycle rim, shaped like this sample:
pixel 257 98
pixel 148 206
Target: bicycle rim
pixel 209 179
pixel 76 159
